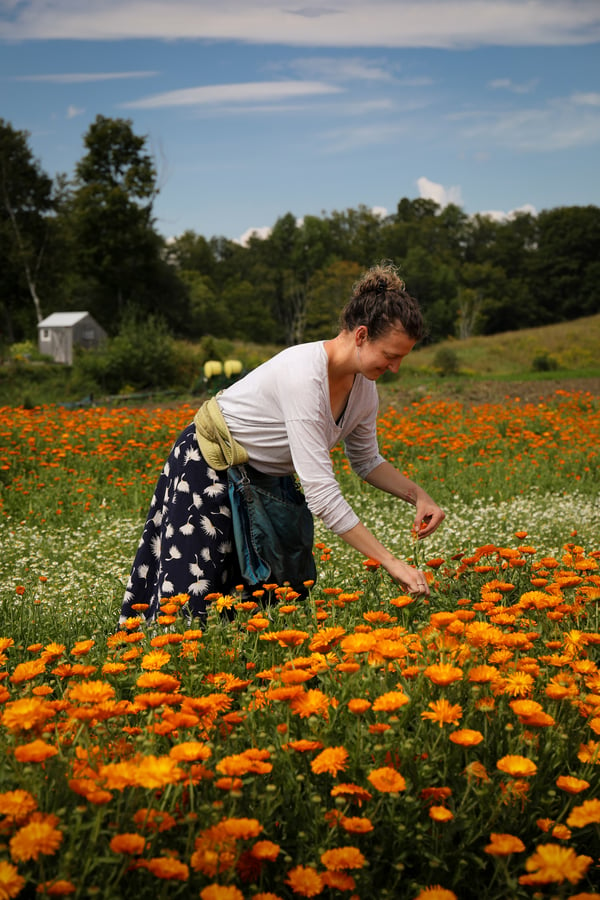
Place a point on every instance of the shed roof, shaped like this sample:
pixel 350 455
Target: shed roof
pixel 62 319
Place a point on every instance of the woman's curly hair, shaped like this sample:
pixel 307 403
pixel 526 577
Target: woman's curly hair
pixel 380 301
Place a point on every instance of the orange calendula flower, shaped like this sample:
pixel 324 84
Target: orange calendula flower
pixel 305 880
pixel 357 706
pixel 571 785
pixel 221 892
pixel 356 824
pixel 310 703
pixel 35 751
pixel 443 712
pixel 466 737
pixel 158 681
pixel 25 671
pixel 266 850
pixel 553 863
pixel 34 840
pixel 390 701
pixel 504 845
pixel 440 814
pixel 586 814
pixel 387 780
pixel 91 692
pixel 59 888
pixel 190 751
pixel 518 684
pixel 17 804
pixel 167 868
pixel 26 714
pixel 351 792
pixel 436 892
pixel 331 760
pixel 11 883
pixel 443 673
pixel 129 843
pixel 155 660
pixel 341 858
pixel 517 766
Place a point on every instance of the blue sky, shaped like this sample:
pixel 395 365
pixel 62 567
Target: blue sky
pixel 256 108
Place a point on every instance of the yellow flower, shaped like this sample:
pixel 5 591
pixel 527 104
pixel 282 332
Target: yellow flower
pixel 25 671
pixel 33 840
pixel 190 751
pixel 11 883
pixel 555 863
pixel 387 780
pixel 158 771
pixel 332 760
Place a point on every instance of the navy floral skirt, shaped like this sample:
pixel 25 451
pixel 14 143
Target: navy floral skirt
pixel 187 542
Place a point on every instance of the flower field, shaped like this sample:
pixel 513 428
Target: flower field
pixel 359 743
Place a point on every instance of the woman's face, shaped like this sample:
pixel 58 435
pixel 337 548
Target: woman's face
pixel 381 354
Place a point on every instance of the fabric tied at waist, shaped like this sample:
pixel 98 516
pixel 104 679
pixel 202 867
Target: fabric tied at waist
pixel 273 528
pixel 218 447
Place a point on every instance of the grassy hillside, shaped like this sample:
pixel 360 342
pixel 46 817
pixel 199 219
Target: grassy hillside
pixel 574 347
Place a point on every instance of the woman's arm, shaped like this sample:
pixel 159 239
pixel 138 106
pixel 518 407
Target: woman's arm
pixel 428 515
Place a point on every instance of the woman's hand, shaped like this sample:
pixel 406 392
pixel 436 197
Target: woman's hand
pixel 412 580
pixel 428 515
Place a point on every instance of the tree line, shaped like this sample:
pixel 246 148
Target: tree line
pixel 90 242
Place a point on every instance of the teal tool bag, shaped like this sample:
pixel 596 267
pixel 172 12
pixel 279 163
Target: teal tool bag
pixel 273 529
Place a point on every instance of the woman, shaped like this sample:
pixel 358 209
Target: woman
pixel 285 417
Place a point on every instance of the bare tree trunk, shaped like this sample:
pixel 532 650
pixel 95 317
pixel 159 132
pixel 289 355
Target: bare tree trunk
pixel 26 268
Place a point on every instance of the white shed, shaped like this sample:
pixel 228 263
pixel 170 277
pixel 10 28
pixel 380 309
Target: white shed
pixel 60 332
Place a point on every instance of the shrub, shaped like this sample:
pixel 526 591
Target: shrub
pixel 446 361
pixel 544 363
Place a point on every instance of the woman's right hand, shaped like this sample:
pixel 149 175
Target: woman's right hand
pixel 414 581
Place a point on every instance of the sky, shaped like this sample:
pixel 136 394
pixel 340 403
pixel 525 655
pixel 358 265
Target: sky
pixel 257 108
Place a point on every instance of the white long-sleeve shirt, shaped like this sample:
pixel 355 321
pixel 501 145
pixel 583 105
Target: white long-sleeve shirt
pixel 281 413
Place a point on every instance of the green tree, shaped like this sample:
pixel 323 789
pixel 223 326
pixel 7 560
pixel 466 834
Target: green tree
pixel 118 256
pixel 26 199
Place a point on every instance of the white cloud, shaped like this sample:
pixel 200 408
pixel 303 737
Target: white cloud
pixel 262 233
pixel 74 111
pixel 232 94
pixel 561 124
pixel 353 23
pixel 430 190
pixel 82 77
pixel 508 85
pixel 499 216
pixel 348 69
